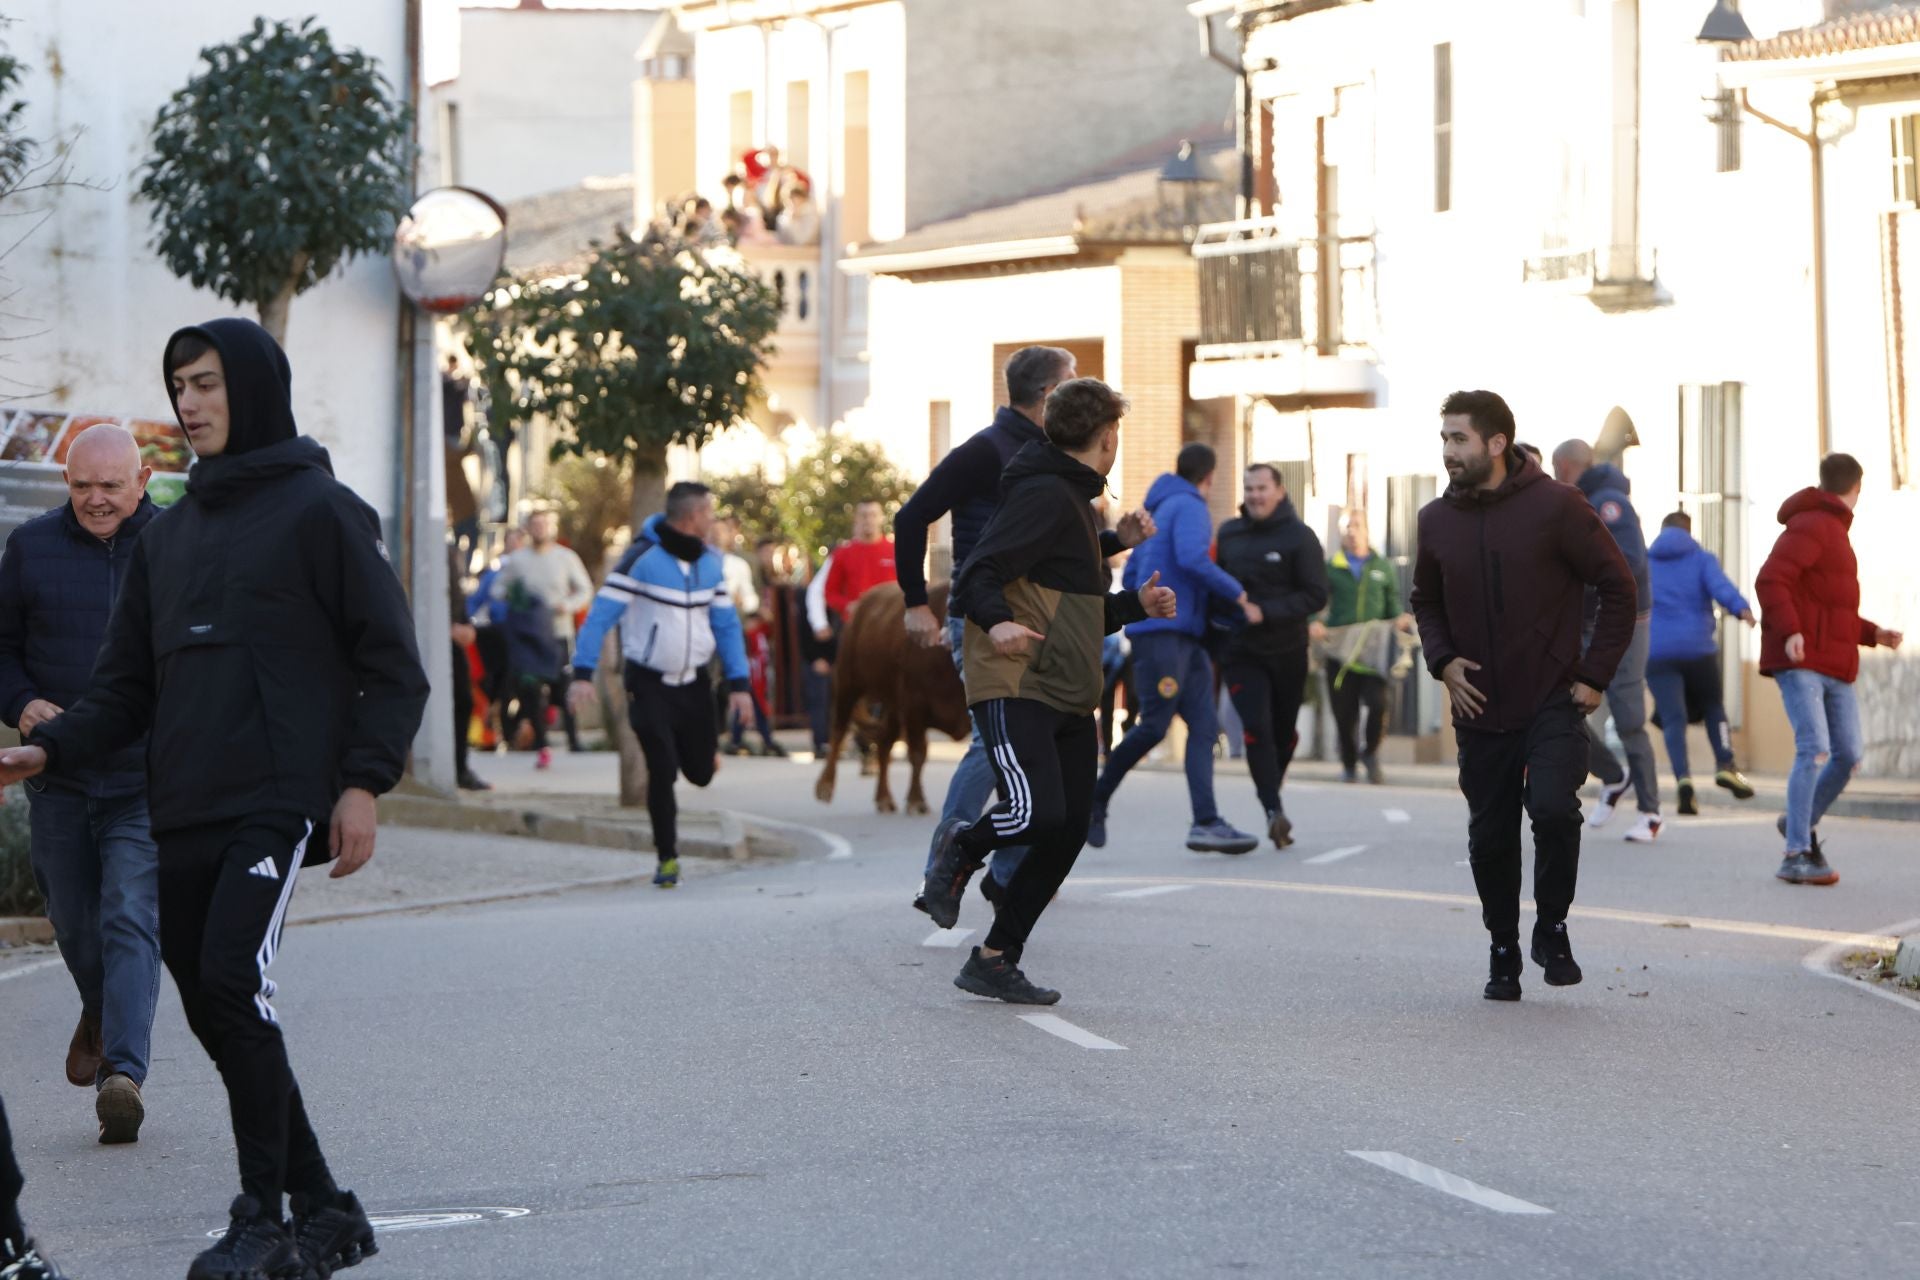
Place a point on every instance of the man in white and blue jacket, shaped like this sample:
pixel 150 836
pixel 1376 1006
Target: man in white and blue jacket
pixel 668 595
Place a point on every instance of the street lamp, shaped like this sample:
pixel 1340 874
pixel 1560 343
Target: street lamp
pixel 1724 25
pixel 1184 170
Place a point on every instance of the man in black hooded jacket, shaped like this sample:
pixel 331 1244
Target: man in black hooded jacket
pixel 263 643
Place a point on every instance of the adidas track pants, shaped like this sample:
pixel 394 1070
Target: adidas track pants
pixel 1044 761
pixel 224 893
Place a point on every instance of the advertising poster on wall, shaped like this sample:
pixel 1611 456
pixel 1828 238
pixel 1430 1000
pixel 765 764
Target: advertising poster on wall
pixel 33 450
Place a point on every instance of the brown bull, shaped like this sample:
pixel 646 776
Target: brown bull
pixel 915 690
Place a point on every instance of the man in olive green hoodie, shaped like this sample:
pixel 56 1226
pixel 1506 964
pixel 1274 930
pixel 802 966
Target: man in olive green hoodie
pixel 1361 588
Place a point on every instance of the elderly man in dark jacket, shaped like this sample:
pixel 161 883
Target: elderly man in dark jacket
pixel 93 854
pixel 1505 558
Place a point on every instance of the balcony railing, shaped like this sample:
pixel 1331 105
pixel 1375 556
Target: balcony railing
pixel 792 272
pixel 1261 288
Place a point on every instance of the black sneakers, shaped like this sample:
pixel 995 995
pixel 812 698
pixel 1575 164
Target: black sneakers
pixel 255 1247
pixel 947 882
pixel 1553 953
pixel 1807 868
pixel 334 1236
pixel 1689 806
pixel 1097 827
pixel 1503 972
pixel 1001 979
pixel 19 1260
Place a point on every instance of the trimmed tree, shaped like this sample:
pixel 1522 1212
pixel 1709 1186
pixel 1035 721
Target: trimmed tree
pixel 652 345
pixel 281 160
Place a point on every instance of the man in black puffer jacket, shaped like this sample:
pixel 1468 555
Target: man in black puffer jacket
pixel 263 643
pixel 1268 550
pixel 92 847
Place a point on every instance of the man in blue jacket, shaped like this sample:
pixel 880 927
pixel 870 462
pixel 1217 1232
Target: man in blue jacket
pixel 1683 658
pixel 1170 664
pixel 1606 487
pixel 669 597
pixel 92 849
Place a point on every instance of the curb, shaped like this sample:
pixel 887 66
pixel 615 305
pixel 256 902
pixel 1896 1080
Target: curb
pixel 25 931
pixel 1824 962
pixel 724 837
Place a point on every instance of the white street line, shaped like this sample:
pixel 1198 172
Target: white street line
pixel 1396 815
pixel 948 938
pixel 1151 891
pixel 838 849
pixel 26 969
pixel 1451 1183
pixel 1334 855
pixel 1058 1026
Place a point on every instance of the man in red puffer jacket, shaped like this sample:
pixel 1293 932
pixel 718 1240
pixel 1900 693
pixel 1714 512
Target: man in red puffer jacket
pixel 1811 633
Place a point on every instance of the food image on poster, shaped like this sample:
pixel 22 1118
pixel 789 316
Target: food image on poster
pixel 33 436
pixel 163 445
pixel 75 425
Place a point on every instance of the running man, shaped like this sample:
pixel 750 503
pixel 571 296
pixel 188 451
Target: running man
pixel 669 597
pixel 1683 655
pixel 263 643
pixel 1498 592
pixel 1034 596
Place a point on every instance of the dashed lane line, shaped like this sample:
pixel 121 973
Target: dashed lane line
pixel 1335 855
pixel 948 938
pixel 1054 1025
pixel 1396 815
pixel 1707 924
pixel 1151 891
pixel 1450 1183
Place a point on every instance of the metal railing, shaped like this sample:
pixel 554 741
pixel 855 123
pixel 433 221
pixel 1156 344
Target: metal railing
pixel 1263 288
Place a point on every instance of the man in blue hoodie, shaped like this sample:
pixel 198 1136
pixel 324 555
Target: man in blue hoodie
pixel 1683 658
pixel 669 597
pixel 1171 665
pixel 1606 487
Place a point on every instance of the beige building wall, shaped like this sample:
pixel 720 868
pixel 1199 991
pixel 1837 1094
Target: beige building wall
pixel 1159 313
pixel 663 152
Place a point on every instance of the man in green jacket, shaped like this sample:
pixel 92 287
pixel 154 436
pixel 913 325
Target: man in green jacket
pixel 1363 594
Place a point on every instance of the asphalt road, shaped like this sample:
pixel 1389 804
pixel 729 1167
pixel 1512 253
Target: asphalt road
pixel 768 1072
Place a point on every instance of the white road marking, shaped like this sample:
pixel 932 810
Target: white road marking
pixel 948 938
pixel 1396 815
pixel 1451 1183
pixel 838 849
pixel 1334 855
pixel 1708 924
pixel 1151 891
pixel 1054 1025
pixel 25 969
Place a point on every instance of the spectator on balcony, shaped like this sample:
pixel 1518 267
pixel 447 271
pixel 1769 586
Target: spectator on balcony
pixel 749 228
pixel 801 224
pixel 701 227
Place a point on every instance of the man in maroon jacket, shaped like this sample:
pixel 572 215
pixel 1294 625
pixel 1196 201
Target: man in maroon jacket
pixel 1811 633
pixel 1506 555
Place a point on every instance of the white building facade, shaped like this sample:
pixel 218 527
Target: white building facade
pixel 1556 200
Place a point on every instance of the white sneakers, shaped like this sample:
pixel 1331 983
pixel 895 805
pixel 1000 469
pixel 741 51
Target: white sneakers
pixel 1647 830
pixel 1610 794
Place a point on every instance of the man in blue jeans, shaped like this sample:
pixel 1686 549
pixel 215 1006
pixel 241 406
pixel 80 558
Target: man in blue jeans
pixel 1683 656
pixel 93 855
pixel 967 483
pixel 1811 634
pixel 1170 664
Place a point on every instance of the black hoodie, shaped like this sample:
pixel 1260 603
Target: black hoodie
pixel 1039 562
pixel 261 635
pixel 1284 570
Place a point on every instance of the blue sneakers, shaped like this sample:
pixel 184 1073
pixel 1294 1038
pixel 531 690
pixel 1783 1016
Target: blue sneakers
pixel 1220 836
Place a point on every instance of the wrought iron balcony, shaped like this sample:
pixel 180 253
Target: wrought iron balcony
pixel 1263 290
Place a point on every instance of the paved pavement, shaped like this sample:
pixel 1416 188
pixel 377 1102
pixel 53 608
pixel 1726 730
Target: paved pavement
pixel 768 1073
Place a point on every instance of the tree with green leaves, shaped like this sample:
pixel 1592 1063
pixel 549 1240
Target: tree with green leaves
pixel 280 161
pixel 816 501
pixel 653 344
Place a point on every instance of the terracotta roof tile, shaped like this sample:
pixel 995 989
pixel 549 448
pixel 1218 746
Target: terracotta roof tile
pixel 1875 30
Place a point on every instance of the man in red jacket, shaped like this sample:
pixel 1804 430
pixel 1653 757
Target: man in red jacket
pixel 1811 633
pixel 864 562
pixel 1506 555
